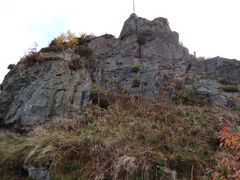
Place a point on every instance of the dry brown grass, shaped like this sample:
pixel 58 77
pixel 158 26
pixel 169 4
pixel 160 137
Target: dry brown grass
pixel 132 139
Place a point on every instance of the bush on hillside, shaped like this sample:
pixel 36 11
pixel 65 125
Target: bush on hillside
pixel 135 68
pixel 68 39
pixel 76 64
pixel 30 59
pixel 185 97
pixel 52 48
pixel 11 66
pixel 228 159
pixel 99 97
pixel 136 83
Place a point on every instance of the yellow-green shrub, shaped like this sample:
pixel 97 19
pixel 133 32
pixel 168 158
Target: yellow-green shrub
pixel 135 68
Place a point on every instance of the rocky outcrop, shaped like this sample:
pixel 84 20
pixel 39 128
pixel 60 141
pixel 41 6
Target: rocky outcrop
pixel 216 79
pixel 146 60
pixel 41 92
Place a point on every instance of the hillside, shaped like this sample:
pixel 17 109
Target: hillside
pixel 134 107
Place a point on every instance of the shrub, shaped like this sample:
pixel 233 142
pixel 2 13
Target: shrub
pixel 228 161
pixel 231 101
pixel 83 50
pixel 61 40
pixel 52 48
pixel 11 66
pixel 99 96
pixel 72 39
pixel 135 68
pixel 229 88
pixel 31 56
pixel 83 35
pixel 99 90
pixel 136 83
pixel 85 39
pixel 178 82
pixel 185 97
pixel 68 39
pixel 75 64
pixel 30 59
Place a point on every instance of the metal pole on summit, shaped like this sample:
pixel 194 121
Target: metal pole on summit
pixel 133 6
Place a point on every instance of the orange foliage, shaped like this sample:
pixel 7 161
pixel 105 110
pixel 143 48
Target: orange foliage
pixel 228 161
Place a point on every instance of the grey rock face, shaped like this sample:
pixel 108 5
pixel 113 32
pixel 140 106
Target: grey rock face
pixel 53 90
pixel 219 68
pixel 159 40
pixel 217 79
pixel 38 173
pixel 146 60
pixel 135 24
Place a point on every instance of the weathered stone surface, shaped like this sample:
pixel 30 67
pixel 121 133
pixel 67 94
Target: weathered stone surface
pixel 38 173
pixel 55 91
pixel 218 68
pixel 47 89
pixel 211 76
pixel 134 25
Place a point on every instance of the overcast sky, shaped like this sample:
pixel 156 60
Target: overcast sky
pixel 209 27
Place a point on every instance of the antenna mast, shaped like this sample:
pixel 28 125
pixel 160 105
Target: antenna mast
pixel 133 6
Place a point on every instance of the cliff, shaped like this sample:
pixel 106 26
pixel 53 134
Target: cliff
pixel 146 60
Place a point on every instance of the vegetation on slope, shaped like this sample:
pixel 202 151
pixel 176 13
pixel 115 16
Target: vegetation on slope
pixel 64 41
pixel 228 160
pixel 131 139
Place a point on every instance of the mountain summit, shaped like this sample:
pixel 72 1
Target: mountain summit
pixel 147 60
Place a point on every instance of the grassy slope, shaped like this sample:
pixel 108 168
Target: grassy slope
pixel 132 139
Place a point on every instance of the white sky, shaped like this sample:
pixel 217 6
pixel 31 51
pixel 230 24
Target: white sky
pixel 209 27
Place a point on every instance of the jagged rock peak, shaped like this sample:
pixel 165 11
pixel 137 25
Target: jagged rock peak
pixel 136 24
